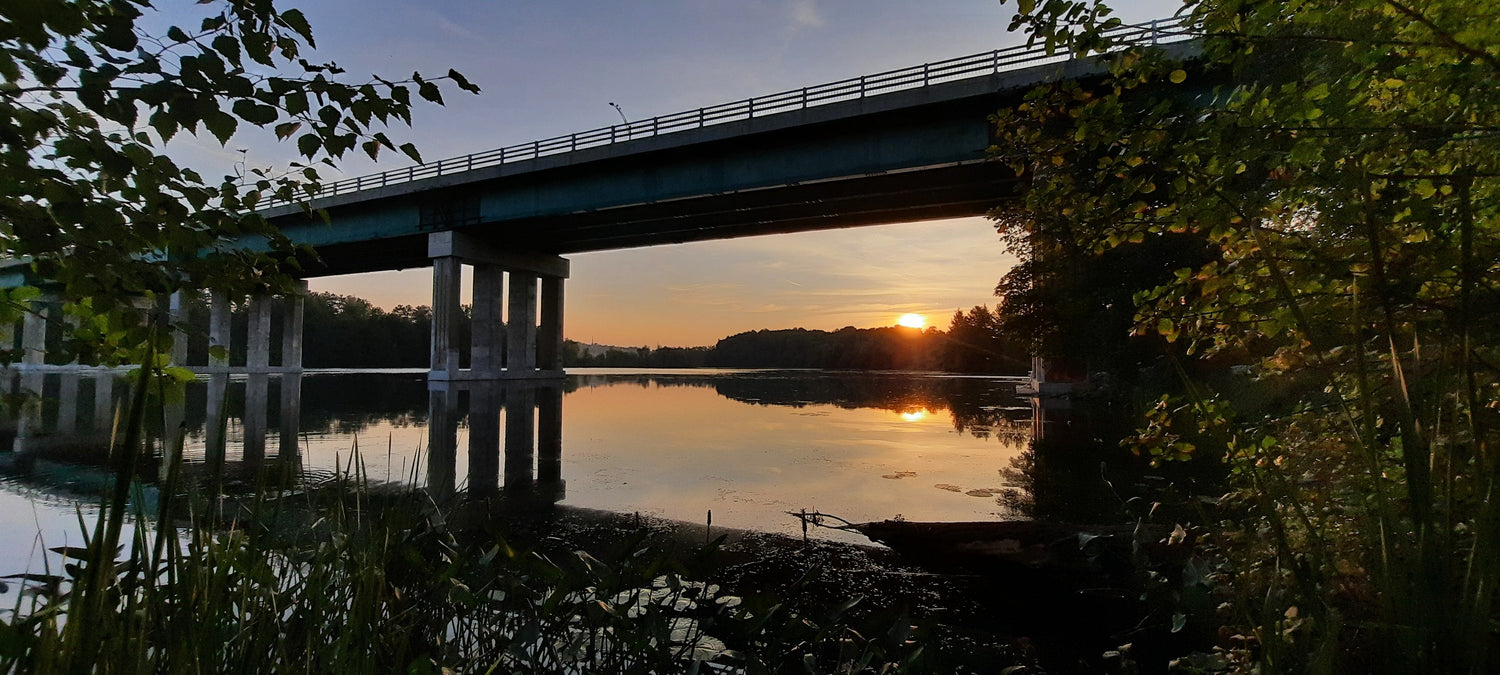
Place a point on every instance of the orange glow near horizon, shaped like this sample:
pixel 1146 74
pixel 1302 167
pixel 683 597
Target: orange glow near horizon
pixel 914 415
pixel 912 320
pixel 696 294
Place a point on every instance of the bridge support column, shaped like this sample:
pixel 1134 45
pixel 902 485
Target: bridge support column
pixel 104 402
pixel 549 339
pixel 520 325
pixel 219 329
pixel 258 335
pixel 291 329
pixel 7 336
pixel 529 353
pixel 484 350
pixel 177 315
pixel 34 334
pixel 447 278
pixel 67 403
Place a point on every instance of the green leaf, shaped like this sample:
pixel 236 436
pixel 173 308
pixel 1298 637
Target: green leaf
pixel 179 374
pixel 164 124
pixel 411 151
pixel 255 113
pixel 286 129
pixel 430 91
pixel 308 145
pixel 294 20
pixel 221 125
pixel 229 47
pixel 462 82
pixel 1178 76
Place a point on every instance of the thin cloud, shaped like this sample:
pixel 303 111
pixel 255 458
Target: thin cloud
pixel 805 15
pixel 450 27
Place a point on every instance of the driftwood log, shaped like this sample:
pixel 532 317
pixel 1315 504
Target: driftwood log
pixel 1109 554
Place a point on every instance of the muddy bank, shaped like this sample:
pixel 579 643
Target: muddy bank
pixel 983 620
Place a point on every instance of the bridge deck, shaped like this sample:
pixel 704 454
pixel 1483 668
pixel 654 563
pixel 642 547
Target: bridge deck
pixel 903 146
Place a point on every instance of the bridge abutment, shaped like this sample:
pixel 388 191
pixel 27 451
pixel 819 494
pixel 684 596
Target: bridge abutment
pixel 532 345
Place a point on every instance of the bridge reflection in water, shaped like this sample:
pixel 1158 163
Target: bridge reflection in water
pixel 514 423
pixel 63 420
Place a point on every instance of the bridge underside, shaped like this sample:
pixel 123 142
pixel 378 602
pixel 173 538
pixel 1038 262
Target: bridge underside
pixel 969 189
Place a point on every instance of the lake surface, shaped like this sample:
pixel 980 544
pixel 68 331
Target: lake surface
pixel 747 445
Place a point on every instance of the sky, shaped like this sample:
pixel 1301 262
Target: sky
pixel 553 68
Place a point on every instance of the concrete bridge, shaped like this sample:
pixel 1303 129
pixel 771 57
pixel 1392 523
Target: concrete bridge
pixel 899 146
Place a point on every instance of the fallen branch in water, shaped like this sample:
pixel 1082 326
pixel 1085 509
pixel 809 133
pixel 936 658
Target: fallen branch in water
pixel 818 519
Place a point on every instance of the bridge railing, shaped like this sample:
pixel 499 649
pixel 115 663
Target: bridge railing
pixel 927 74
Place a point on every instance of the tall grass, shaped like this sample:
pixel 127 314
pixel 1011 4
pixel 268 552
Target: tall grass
pixel 336 575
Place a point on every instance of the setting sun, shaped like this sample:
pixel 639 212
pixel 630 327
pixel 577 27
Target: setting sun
pixel 912 320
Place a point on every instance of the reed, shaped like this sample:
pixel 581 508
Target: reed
pixel 342 575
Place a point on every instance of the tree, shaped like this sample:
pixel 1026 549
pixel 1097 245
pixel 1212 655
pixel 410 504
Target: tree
pixel 90 200
pixel 1342 161
pixel 90 195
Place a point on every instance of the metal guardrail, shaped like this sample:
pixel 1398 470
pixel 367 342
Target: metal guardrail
pixel 1001 60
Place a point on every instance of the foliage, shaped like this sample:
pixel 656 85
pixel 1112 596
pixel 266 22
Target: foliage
pixel 91 197
pixel 1341 160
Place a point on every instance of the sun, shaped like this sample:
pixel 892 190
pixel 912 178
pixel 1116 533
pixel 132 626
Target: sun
pixel 912 320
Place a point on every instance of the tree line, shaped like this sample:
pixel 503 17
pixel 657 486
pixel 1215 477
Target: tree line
pixel 341 331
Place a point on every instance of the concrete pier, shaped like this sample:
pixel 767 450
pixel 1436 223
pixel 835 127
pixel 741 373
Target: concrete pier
pixel 549 339
pixel 485 350
pixel 34 334
pixel 532 351
pixel 67 402
pixel 520 325
pixel 104 403
pixel 447 278
pixel 219 330
pixel 177 315
pixel 293 310
pixel 7 336
pixel 258 335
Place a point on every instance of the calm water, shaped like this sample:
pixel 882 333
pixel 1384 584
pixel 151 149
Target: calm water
pixel 747 445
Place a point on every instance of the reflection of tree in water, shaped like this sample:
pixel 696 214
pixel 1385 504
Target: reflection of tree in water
pixel 350 404
pixel 1074 471
pixel 1078 472
pixel 982 407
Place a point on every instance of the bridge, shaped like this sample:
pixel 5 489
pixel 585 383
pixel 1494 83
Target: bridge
pixel 900 146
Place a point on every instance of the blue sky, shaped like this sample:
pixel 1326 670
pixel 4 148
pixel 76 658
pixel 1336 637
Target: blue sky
pixel 552 68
